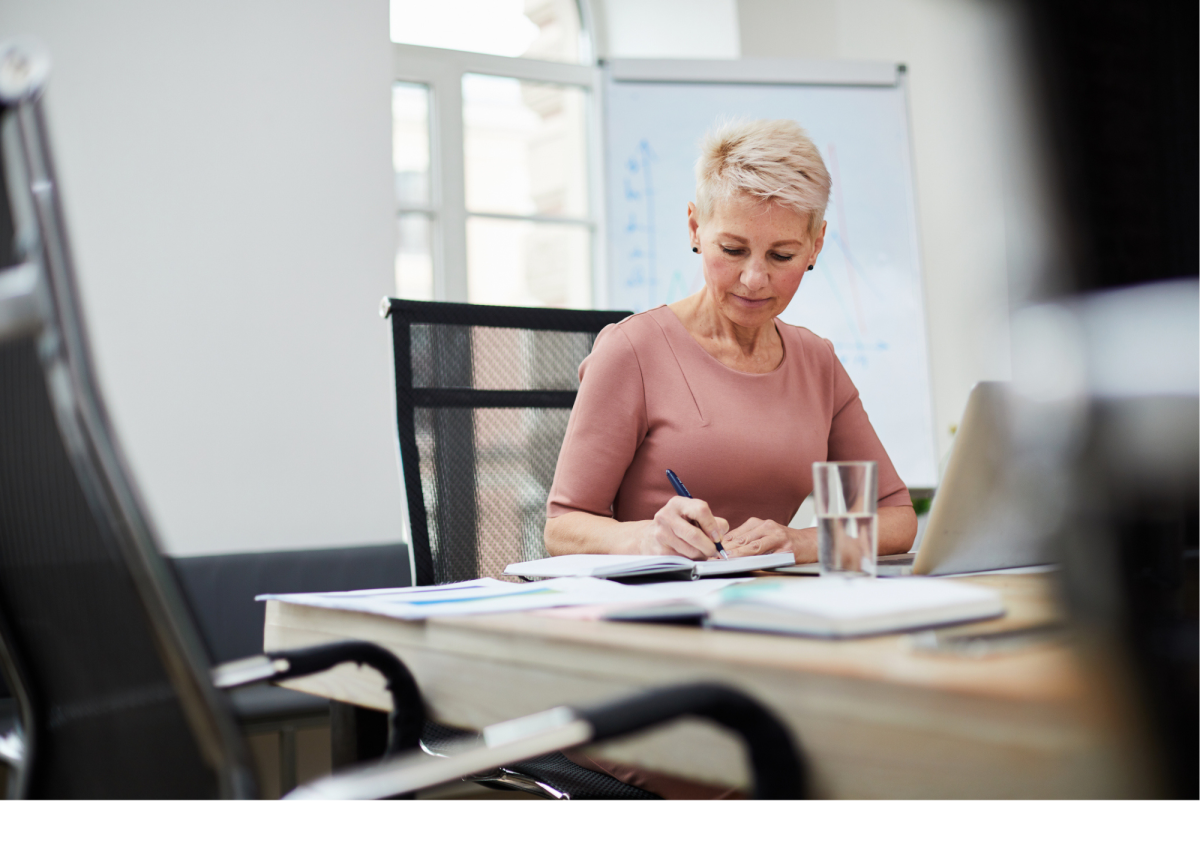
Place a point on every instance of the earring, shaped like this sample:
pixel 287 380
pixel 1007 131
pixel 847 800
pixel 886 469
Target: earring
pixel 810 267
pixel 695 250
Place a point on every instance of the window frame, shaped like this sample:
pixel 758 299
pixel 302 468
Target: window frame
pixel 442 71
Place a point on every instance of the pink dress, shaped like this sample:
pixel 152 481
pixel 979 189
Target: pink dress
pixel 650 398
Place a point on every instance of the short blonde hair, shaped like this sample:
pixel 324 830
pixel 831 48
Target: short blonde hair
pixel 771 160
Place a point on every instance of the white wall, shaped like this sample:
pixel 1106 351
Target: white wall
pixel 666 29
pixel 986 232
pixel 226 168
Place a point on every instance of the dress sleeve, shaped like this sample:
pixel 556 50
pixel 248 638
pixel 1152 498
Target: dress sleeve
pixel 851 437
pixel 607 424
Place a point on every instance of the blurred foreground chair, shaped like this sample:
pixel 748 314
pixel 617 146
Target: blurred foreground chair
pixel 112 691
pixel 1109 419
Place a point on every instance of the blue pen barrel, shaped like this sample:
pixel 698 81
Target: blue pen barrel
pixel 682 491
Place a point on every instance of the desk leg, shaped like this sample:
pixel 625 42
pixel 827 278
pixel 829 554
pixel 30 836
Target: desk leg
pixel 356 734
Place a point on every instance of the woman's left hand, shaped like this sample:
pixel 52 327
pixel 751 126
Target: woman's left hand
pixel 897 529
pixel 763 536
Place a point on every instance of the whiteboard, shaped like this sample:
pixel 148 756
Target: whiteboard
pixel 865 293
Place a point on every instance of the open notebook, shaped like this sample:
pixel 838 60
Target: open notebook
pixel 617 565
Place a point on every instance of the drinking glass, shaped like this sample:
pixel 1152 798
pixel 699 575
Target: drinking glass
pixel 847 521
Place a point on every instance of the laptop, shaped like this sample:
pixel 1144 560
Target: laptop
pixel 978 521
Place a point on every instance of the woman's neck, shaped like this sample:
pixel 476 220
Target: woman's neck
pixel 754 350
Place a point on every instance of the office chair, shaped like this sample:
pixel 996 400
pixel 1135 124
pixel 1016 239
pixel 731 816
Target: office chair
pixel 1132 498
pixel 111 684
pixel 221 590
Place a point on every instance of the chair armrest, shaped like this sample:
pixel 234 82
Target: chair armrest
pixel 408 711
pixel 411 772
pixel 778 770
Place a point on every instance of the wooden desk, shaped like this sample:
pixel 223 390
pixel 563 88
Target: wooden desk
pixel 878 717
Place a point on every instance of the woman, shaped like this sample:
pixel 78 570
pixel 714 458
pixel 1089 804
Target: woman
pixel 715 387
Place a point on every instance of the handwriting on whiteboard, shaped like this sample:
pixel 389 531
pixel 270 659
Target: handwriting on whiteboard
pixel 641 274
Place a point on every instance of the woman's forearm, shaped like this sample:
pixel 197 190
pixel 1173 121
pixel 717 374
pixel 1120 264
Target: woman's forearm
pixel 897 529
pixel 584 533
pixel 683 527
pixel 804 543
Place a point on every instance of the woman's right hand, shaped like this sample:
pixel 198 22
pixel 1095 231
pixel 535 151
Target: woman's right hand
pixel 684 527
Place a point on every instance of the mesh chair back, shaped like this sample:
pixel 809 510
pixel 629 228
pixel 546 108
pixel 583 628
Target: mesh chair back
pixel 106 720
pixel 483 394
pixel 95 640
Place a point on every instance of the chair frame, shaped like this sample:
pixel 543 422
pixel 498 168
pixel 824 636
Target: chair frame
pixel 43 292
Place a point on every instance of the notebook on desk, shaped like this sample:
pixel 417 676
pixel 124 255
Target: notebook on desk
pixel 829 608
pixel 613 566
pixel 843 608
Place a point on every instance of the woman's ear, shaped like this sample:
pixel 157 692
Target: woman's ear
pixel 817 245
pixel 694 227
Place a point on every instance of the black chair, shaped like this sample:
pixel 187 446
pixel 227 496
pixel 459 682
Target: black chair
pixel 221 591
pixel 112 691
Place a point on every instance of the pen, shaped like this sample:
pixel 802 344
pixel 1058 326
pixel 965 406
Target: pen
pixel 682 491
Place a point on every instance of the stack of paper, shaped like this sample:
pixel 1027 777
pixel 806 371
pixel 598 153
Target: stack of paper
pixel 486 595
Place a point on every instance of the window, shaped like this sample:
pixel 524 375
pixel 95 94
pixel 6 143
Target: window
pixel 410 161
pixel 495 153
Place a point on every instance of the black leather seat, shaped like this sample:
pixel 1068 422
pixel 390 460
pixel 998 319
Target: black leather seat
pixel 222 589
